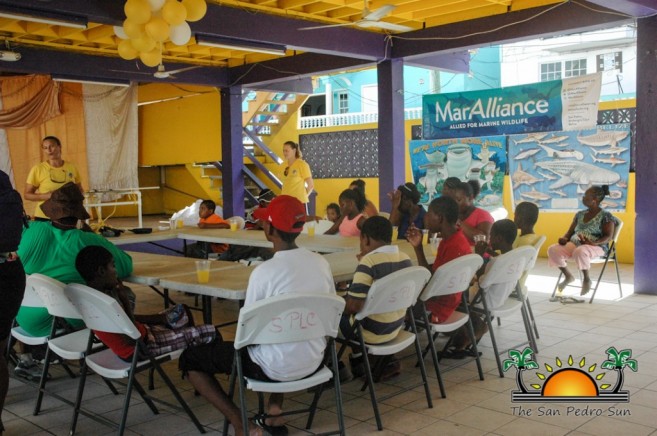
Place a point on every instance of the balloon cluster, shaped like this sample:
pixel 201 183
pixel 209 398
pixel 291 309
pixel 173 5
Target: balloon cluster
pixel 150 23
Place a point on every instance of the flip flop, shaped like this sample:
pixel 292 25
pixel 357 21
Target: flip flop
pixel 274 430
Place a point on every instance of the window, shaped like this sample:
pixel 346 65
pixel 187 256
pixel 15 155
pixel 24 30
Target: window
pixel 343 102
pixel 575 68
pixel 550 71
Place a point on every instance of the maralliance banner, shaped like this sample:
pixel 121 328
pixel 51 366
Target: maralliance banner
pixel 568 104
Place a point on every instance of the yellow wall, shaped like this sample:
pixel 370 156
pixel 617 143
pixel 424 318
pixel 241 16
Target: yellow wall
pixel 181 130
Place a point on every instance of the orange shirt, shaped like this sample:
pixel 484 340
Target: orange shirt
pixel 213 219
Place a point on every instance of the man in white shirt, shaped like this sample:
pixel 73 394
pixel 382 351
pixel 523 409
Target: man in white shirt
pixel 291 270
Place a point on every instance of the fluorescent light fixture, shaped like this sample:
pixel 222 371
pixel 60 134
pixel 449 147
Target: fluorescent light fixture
pixel 92 81
pixel 45 17
pixel 240 44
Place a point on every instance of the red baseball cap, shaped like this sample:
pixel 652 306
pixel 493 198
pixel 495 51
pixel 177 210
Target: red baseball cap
pixel 285 213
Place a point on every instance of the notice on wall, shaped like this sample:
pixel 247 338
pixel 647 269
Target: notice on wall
pixel 568 104
pixel 483 159
pixel 554 170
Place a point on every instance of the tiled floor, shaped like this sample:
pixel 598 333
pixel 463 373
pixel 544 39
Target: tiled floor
pixel 472 407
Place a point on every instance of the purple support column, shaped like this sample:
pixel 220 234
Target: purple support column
pixel 645 261
pixel 392 144
pixel 232 151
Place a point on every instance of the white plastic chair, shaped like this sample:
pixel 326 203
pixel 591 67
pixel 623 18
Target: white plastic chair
pixel 385 215
pixel 609 257
pixel 30 299
pixel 103 313
pixel 394 292
pixel 320 227
pixel 453 277
pixel 67 346
pixel 320 314
pixel 522 288
pixel 497 284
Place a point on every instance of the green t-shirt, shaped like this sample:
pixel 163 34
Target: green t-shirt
pixel 50 251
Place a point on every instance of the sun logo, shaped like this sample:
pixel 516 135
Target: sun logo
pixel 574 383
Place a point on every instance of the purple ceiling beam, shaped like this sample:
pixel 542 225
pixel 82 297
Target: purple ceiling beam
pixel 303 65
pixel 302 85
pixel 458 62
pixel 105 12
pixel 243 24
pixel 566 18
pixel 88 67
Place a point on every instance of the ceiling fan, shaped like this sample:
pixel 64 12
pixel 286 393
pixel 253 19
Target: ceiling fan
pixel 369 19
pixel 161 72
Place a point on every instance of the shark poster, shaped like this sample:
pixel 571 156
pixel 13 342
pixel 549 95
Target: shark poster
pixel 554 170
pixel 482 158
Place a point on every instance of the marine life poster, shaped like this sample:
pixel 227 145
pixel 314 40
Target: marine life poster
pixel 554 169
pixel 482 158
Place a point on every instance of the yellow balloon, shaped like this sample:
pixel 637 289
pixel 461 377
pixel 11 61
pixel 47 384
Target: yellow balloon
pixel 132 29
pixel 151 58
pixel 144 43
pixel 138 11
pixel 196 9
pixel 174 12
pixel 158 29
pixel 127 51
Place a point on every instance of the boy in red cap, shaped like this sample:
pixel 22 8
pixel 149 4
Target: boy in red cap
pixel 291 270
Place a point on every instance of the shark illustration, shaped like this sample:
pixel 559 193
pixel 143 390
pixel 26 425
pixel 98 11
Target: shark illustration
pixel 526 153
pixel 562 153
pixel 612 151
pixel 532 137
pixel 613 160
pixel 602 138
pixel 535 195
pixel 580 173
pixel 520 177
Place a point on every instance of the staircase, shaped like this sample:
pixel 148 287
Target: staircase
pixel 264 116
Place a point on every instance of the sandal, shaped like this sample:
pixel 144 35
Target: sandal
pixel 274 430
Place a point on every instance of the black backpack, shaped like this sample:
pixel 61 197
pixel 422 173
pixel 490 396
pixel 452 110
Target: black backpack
pixel 12 215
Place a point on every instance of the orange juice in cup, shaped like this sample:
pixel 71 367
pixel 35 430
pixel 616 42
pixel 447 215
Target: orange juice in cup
pixel 203 271
pixel 233 225
pixel 395 233
pixel 425 236
pixel 311 229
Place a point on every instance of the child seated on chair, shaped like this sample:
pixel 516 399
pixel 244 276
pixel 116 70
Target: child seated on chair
pixel 208 220
pixel 170 330
pixel 333 212
pixel 525 218
pixel 441 218
pixel 502 235
pixel 377 258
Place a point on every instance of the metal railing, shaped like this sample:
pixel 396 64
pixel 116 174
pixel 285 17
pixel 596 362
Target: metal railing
pixel 350 119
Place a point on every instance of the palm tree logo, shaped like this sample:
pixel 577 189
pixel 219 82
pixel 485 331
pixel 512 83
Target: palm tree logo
pixel 522 362
pixel 617 362
pixel 572 383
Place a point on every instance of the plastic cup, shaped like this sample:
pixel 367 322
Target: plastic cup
pixel 311 229
pixel 172 224
pixel 425 236
pixel 179 223
pixel 233 225
pixel 395 233
pixel 203 271
pixel 434 241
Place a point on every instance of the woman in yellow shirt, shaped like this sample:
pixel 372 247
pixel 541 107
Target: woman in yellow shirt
pixel 50 175
pixel 298 181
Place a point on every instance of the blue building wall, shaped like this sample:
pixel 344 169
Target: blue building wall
pixel 484 74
